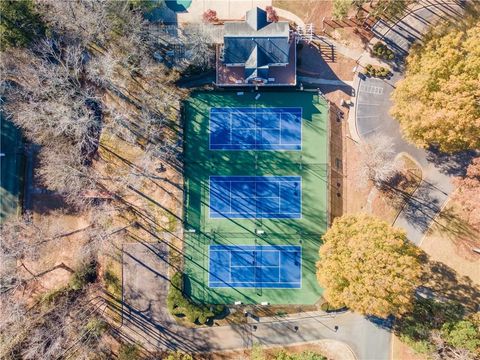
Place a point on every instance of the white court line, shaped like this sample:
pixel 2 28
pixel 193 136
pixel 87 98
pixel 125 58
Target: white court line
pixel 368 117
pixel 274 114
pixel 231 127
pixel 230 193
pixel 248 214
pixel 371 89
pixel 368 104
pixel 252 266
pixel 241 284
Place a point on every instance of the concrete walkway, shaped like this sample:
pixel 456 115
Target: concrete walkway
pixel 319 81
pixel 285 14
pixel 371 117
pixel 230 10
pixel 226 9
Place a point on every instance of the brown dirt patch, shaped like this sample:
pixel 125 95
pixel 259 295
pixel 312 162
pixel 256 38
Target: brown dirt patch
pixel 441 248
pixel 350 37
pixel 314 11
pixel 337 161
pixel 317 60
pixel 383 209
pixel 61 256
pixel 401 351
pixel 310 11
pixel 389 201
pixel 356 195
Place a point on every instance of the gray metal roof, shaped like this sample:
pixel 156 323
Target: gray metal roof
pixel 256 43
pixel 256 25
pixel 264 50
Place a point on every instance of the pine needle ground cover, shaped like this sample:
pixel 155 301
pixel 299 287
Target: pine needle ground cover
pixel 204 231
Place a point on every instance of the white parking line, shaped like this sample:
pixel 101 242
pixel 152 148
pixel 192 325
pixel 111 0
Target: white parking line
pixel 402 42
pixel 368 117
pixel 370 89
pixel 368 104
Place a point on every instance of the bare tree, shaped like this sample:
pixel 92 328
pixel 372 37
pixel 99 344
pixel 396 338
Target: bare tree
pixel 87 20
pixel 199 40
pixel 63 170
pixel 25 240
pixel 102 68
pixel 443 351
pixel 13 317
pixel 49 100
pixel 376 162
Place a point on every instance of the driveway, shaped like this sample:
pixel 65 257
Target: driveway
pixel 146 319
pixel 372 118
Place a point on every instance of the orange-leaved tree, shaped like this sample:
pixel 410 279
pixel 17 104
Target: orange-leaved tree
pixel 368 266
pixel 438 102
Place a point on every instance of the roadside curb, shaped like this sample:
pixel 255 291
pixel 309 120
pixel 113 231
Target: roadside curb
pixel 352 115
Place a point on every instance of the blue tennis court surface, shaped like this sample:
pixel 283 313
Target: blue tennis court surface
pixel 255 128
pixel 255 266
pixel 245 197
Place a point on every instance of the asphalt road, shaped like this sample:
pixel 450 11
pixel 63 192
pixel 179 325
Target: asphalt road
pixel 372 118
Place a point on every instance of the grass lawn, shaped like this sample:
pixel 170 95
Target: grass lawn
pixel 12 169
pixel 310 163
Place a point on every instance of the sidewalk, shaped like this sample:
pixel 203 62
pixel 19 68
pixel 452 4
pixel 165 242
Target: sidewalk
pixel 226 9
pixel 319 81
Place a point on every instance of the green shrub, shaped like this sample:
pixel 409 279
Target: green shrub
pixel 178 355
pixel 326 306
pixel 463 334
pixel 128 352
pixel 94 329
pixel 20 23
pixel 375 71
pixel 310 355
pixel 112 281
pixel 304 355
pixel 179 305
pixel 419 346
pixel 257 352
pixel 381 51
pixel 86 274
pixel 428 315
pixel 51 296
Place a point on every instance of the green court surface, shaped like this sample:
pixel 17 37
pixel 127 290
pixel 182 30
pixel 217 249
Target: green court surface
pixel 200 163
pixel 11 163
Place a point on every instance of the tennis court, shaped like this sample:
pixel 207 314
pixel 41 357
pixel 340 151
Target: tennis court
pixel 256 181
pixel 247 266
pixel 260 197
pixel 252 128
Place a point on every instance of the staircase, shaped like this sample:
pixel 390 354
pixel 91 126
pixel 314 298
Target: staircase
pixel 327 50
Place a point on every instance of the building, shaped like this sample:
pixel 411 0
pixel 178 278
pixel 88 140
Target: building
pixel 257 52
